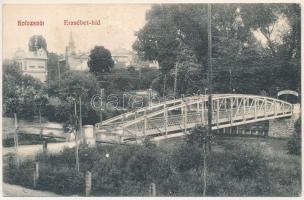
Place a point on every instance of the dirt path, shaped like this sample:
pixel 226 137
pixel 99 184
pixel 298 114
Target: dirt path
pixel 9 190
pixel 30 151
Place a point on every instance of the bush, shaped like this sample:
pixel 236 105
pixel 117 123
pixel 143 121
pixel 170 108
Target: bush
pixel 129 170
pixel 22 175
pixel 248 163
pixel 187 157
pixel 66 181
pixel 294 144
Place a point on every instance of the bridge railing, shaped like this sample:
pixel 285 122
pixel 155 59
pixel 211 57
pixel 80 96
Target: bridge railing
pixel 227 111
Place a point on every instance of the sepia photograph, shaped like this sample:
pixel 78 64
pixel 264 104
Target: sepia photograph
pixel 151 100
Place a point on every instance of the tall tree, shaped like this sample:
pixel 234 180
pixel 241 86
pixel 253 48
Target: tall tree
pixel 21 92
pixel 55 68
pixel 236 52
pixel 279 24
pixel 168 30
pixel 37 42
pixel 241 61
pixel 100 60
pixel 169 25
pixel 78 84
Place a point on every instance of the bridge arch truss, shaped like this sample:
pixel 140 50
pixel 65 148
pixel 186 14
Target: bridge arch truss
pixel 179 115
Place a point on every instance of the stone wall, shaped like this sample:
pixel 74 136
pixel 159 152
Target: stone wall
pixel 284 127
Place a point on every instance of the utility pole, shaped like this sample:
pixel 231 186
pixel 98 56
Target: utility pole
pixel 209 72
pixel 230 80
pixel 101 96
pixel 16 140
pixel 150 97
pixel 175 79
pixel 206 141
pixel 80 118
pixel 76 138
pixel 40 122
pixel 140 75
pixel 58 67
pixel 164 92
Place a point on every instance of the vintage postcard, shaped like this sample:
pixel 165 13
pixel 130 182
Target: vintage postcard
pixel 151 99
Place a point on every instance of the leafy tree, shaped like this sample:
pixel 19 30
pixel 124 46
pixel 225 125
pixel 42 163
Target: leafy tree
pixel 53 67
pixel 240 61
pixel 22 94
pixel 169 25
pixel 37 42
pixel 122 80
pixel 281 53
pixel 190 75
pixel 237 54
pixel 147 77
pixel 100 60
pixel 78 84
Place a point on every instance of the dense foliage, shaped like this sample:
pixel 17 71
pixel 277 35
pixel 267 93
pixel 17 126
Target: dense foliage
pixel 129 79
pixel 100 60
pixel 236 167
pixel 75 85
pixel 255 47
pixel 294 144
pixel 22 94
pixel 37 42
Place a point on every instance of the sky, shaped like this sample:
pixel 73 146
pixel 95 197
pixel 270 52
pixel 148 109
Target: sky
pixel 118 24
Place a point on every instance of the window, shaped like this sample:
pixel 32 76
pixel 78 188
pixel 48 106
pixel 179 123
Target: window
pixel 41 67
pixel 19 65
pixel 31 66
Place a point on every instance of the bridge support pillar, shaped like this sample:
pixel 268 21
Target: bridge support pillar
pixel 284 127
pixel 88 133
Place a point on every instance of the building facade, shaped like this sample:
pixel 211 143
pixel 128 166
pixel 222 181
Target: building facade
pixel 33 63
pixel 123 56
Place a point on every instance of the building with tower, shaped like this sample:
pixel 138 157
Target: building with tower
pixel 75 61
pixel 78 61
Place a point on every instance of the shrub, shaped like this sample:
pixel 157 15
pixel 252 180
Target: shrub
pixel 248 163
pixel 187 157
pixel 64 181
pixel 294 144
pixel 22 175
pixel 143 165
pixel 129 170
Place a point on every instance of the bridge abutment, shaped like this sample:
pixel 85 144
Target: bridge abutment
pixel 284 127
pixel 88 134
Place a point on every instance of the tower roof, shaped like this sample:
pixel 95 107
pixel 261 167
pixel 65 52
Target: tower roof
pixel 71 40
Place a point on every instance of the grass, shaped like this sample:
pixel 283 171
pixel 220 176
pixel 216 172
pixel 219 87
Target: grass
pixel 281 174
